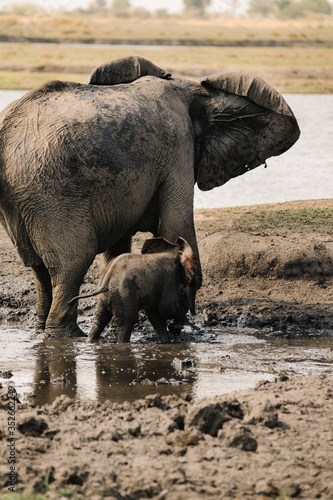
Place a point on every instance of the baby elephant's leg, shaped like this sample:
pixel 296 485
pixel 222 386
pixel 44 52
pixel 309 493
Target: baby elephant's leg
pixel 102 318
pixel 124 325
pixel 159 326
pixel 125 309
pixel 124 332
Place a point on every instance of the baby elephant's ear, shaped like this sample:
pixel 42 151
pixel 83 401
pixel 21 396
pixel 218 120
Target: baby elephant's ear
pixel 157 245
pixel 187 258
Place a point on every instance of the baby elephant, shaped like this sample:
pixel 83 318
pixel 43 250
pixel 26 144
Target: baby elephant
pixel 149 281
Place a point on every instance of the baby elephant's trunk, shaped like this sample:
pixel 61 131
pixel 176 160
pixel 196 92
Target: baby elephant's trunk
pixel 102 290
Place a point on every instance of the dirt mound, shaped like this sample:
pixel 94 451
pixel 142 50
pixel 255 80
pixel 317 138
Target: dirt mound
pixel 227 254
pixel 270 442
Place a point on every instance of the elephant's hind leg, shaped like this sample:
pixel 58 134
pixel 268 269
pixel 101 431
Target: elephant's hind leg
pixel 44 294
pixel 102 318
pixel 124 325
pixel 61 321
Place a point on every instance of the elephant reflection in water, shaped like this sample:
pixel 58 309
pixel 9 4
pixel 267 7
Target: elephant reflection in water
pixel 107 371
pixel 84 167
pixel 118 370
pixel 55 370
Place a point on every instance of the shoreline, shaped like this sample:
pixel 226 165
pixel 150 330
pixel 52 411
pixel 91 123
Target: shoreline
pixel 172 43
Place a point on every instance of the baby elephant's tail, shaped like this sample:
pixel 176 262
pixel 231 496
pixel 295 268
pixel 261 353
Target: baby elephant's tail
pixel 102 290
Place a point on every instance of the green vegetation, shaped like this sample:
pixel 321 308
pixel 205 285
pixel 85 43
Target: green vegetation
pixel 303 217
pixel 300 220
pixel 121 4
pixel 197 5
pixel 47 480
pixel 288 9
pixel 67 492
pixel 22 496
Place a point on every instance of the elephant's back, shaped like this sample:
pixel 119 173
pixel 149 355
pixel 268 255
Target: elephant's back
pixel 147 273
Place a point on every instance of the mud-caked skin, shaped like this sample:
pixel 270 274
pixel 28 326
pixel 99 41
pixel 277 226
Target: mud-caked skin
pixel 124 70
pixel 83 167
pixel 151 282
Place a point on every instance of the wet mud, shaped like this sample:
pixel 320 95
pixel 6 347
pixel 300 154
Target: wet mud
pixel 240 406
pixel 274 441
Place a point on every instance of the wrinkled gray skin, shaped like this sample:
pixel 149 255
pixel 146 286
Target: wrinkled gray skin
pixel 124 70
pixel 83 167
pixel 149 282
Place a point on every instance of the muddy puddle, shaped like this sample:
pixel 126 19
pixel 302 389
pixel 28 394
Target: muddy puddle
pixel 217 362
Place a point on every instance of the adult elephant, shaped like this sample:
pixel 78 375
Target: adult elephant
pixel 85 166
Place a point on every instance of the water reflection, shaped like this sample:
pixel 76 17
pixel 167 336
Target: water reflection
pixel 218 362
pixel 55 370
pixel 109 371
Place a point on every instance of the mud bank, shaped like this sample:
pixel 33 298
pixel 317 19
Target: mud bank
pixel 271 442
pixel 281 282
pixel 276 278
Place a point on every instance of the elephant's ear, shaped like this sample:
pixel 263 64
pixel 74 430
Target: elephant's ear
pixel 188 258
pixel 157 245
pixel 245 121
pixel 124 70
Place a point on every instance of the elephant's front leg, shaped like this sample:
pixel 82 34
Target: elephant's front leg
pixel 44 294
pixel 159 326
pixel 176 219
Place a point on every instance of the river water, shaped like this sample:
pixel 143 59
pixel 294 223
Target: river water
pixel 219 361
pixel 304 172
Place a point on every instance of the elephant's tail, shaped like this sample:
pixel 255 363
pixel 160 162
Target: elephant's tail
pixel 102 290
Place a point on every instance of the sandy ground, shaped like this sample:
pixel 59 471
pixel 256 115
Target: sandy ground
pixel 274 441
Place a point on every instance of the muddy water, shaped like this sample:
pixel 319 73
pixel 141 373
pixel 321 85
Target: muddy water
pixel 219 361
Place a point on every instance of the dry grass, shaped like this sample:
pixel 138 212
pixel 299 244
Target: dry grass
pixel 302 216
pixel 24 66
pixel 214 30
pixel 298 68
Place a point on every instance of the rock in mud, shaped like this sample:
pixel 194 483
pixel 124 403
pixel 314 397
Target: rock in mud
pixel 239 437
pixel 184 365
pixel 182 438
pixel 31 426
pixel 209 417
pixel 60 381
pixel 161 381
